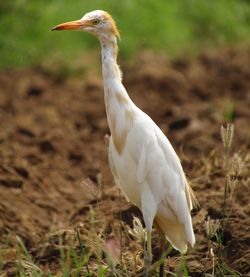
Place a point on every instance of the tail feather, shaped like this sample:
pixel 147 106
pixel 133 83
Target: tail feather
pixel 177 233
pixel 174 233
pixel 191 199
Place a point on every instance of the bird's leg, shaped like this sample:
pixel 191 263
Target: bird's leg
pixel 149 212
pixel 149 247
pixel 147 254
pixel 162 253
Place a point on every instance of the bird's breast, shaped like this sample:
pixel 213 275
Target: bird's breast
pixel 120 120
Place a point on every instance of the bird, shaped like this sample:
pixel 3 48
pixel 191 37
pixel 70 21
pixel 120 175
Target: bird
pixel 143 162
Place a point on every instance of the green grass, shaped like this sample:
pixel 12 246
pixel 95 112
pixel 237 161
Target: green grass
pixel 168 26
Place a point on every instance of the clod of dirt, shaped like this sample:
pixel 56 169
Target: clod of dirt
pixel 33 159
pixel 22 171
pixel 25 132
pixel 11 183
pixel 47 146
pixel 35 91
pixel 75 156
pixel 179 124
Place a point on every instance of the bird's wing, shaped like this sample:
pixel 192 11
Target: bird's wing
pixel 173 177
pixel 175 169
pixel 158 164
pixel 160 168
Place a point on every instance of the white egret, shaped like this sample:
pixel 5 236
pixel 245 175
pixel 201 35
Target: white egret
pixel 142 160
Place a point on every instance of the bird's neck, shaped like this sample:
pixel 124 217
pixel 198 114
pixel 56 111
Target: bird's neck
pixel 119 107
pixel 110 69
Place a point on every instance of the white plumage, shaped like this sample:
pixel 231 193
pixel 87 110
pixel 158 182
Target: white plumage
pixel 142 160
pixel 149 173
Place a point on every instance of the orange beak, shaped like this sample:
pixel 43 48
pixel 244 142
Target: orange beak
pixel 72 25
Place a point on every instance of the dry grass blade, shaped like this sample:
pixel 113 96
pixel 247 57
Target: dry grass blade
pixel 138 232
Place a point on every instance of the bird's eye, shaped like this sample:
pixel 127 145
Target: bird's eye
pixel 96 21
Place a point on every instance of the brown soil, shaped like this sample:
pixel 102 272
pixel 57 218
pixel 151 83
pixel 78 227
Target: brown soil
pixel 52 150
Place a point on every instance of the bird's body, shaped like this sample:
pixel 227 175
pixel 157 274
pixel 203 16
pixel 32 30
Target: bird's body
pixel 149 173
pixel 142 160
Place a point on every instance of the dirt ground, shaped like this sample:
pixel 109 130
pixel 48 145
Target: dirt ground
pixel 52 152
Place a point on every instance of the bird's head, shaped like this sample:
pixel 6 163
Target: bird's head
pixel 98 23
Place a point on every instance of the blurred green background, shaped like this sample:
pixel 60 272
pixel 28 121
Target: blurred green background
pixel 169 26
